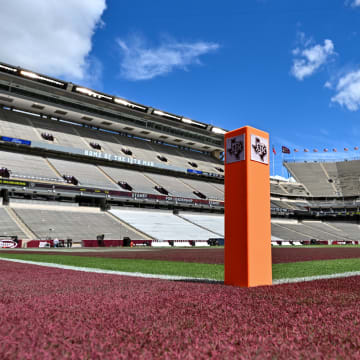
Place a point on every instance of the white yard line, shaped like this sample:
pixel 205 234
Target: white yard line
pixel 176 277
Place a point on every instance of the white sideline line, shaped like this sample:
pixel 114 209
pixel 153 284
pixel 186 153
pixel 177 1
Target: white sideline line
pixel 111 272
pixel 316 277
pixel 177 277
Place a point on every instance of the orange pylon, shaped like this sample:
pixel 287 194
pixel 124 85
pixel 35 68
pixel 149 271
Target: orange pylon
pixel 247 208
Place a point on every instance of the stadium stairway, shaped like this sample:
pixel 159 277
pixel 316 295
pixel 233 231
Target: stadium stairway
pixel 86 143
pixel 53 168
pixel 18 221
pixel 328 177
pixel 151 180
pixel 107 176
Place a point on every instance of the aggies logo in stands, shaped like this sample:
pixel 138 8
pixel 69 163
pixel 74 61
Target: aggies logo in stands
pixel 235 149
pixel 259 149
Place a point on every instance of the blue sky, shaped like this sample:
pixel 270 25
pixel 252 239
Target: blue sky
pixel 291 68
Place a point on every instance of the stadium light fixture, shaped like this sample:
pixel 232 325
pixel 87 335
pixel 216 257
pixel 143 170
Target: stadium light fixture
pixel 161 113
pixel 192 122
pixel 128 104
pixel 93 94
pixel 34 76
pixel 122 102
pixel 218 131
pixel 8 68
pixel 158 112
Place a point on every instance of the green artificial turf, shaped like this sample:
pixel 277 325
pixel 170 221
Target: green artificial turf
pixel 313 268
pixel 210 271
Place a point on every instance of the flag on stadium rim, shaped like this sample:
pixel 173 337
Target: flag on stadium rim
pixel 315 150
pixel 285 150
pixel 356 148
pixel 296 150
pixel 334 150
pixel 326 150
pixel 306 150
pixel 346 149
pixel 274 151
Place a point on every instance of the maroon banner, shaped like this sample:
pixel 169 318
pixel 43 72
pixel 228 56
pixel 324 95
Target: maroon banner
pixel 10 244
pixel 112 243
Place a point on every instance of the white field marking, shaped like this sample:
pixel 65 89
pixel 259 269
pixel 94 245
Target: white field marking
pixel 316 277
pixel 176 277
pixel 111 272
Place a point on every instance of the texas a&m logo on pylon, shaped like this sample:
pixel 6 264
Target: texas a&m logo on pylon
pixel 235 149
pixel 259 149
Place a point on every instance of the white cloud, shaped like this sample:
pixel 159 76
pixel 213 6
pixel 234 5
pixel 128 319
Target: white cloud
pixel 52 36
pixel 308 58
pixel 141 62
pixel 348 91
pixel 353 3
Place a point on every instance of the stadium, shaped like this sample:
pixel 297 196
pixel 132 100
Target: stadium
pixel 79 164
pixel 92 182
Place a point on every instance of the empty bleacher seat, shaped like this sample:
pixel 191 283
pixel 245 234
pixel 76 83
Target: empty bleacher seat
pixel 162 225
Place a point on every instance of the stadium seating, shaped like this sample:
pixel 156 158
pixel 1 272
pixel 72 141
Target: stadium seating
pixel 324 231
pixel 312 232
pixel 174 185
pixel 64 134
pixel 214 223
pixel 162 225
pixel 352 230
pixel 315 179
pixel 313 176
pixel 76 223
pixel 328 178
pixel 8 227
pixel 205 188
pixel 30 127
pixel 27 166
pixel 276 188
pixel 348 175
pixel 17 125
pixel 294 189
pixel 86 174
pixel 135 179
pixel 86 223
pixel 285 233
